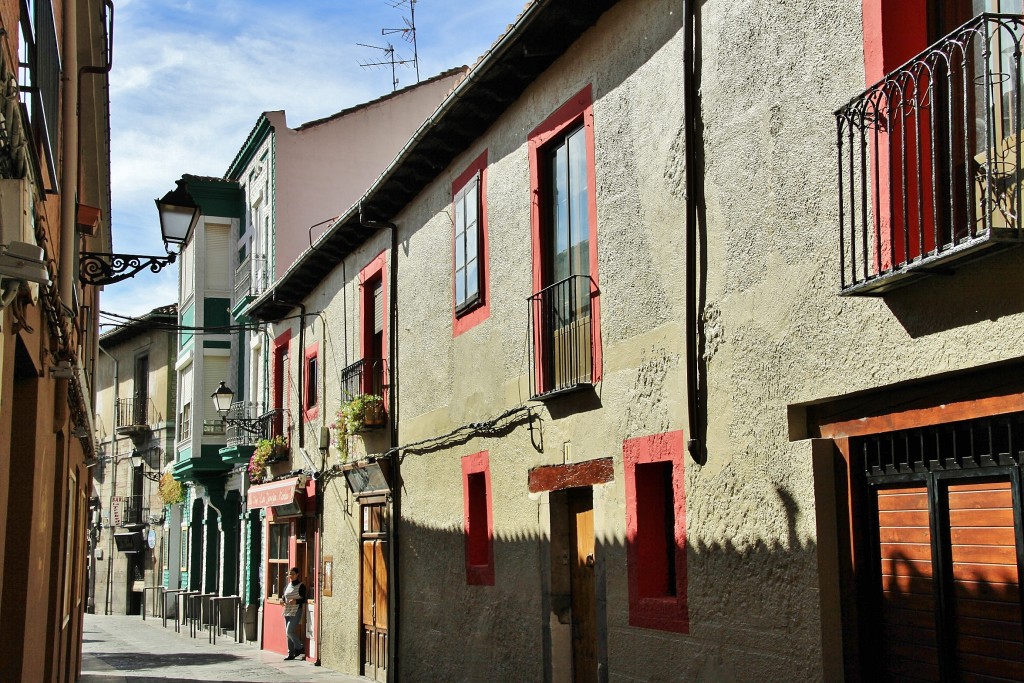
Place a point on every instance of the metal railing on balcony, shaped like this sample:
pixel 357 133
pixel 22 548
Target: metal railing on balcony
pixel 247 423
pixel 562 336
pixel 260 275
pixel 367 376
pixel 134 413
pixel 930 159
pixel 243 279
pixel 129 510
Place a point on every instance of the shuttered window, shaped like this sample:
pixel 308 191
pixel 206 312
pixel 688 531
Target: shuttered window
pixel 218 270
pixel 378 307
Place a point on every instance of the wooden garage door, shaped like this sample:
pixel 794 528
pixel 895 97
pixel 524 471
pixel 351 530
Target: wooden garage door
pixel 910 640
pixel 985 587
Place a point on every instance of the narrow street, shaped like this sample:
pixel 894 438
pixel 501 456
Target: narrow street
pixel 122 649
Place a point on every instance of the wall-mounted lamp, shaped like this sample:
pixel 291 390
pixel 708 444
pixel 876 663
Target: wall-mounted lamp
pixel 223 399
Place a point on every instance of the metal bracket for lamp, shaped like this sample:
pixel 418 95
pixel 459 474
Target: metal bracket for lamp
pixel 104 269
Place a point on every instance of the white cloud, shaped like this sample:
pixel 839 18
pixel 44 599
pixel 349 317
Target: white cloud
pixel 190 80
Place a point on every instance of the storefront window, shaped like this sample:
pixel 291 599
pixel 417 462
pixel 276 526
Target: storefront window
pixel 277 560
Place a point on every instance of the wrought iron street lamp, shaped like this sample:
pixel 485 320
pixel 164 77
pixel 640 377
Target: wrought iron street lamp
pixel 223 399
pixel 178 215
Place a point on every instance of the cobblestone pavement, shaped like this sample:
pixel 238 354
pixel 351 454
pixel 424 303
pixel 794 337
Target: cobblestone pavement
pixel 120 649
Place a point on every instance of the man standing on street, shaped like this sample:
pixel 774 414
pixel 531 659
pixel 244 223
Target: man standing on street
pixel 294 607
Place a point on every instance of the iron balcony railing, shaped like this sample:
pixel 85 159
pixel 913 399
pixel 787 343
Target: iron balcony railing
pixel 129 510
pixel 247 423
pixel 930 159
pixel 260 275
pixel 243 279
pixel 134 413
pixel 562 336
pixel 366 376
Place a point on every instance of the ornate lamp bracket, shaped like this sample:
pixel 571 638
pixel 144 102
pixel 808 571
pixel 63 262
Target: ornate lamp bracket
pixel 105 269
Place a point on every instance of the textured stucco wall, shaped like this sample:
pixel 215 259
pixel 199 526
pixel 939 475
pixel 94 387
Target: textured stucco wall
pixel 776 335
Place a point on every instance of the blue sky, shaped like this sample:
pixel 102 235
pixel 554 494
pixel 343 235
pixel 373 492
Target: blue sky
pixel 191 78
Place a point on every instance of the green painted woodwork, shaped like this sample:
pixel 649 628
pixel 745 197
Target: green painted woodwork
pixel 236 455
pixel 188 319
pixel 213 344
pixel 215 197
pixel 216 311
pixel 205 468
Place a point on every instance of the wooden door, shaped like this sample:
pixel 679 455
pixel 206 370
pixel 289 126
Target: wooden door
pixel 581 577
pixel 947 559
pixel 373 591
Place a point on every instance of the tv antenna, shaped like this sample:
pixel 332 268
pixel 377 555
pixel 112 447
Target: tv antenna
pixel 408 34
pixel 389 59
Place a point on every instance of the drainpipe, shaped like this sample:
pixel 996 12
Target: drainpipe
pixel 694 445
pixel 394 671
pixel 113 482
pixel 69 157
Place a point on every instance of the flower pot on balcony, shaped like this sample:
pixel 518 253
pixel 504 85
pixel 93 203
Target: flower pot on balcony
pixel 373 414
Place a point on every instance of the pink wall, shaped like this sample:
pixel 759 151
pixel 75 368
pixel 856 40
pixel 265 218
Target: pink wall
pixel 323 168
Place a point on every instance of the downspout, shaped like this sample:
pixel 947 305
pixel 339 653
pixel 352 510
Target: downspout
pixel 302 374
pixel 694 445
pixel 113 482
pixel 69 158
pixel 394 671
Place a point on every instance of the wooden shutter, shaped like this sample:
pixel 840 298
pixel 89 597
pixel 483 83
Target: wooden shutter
pixel 908 603
pixel 378 307
pixel 986 591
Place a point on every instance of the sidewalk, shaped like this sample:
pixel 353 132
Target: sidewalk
pixel 120 649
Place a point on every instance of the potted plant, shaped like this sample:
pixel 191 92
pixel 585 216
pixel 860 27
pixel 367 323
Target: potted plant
pixel 364 410
pixel 267 451
pixel 170 490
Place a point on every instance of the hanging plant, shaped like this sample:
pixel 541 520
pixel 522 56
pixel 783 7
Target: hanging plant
pixel 266 452
pixel 170 490
pixel 362 411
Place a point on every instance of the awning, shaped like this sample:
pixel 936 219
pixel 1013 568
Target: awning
pixel 273 494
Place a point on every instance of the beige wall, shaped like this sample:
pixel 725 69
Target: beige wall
pixel 777 335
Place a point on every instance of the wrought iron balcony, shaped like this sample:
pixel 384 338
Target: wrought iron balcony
pixel 243 279
pixel 129 511
pixel 930 160
pixel 134 415
pixel 562 336
pixel 367 377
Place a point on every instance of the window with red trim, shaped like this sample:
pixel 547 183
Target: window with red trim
pixel 281 377
pixel 656 532
pixel 310 388
pixel 479 522
pixel 470 257
pixel 565 307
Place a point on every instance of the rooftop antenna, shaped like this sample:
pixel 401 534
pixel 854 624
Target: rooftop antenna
pixel 408 33
pixel 389 58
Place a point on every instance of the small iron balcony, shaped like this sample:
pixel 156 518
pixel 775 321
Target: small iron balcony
pixel 562 336
pixel 930 160
pixel 247 424
pixel 134 415
pixel 367 377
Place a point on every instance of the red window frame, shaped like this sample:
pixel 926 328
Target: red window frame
pixel 373 271
pixel 281 390
pixel 578 109
pixel 478 519
pixel 650 604
pixel 310 410
pixel 475 314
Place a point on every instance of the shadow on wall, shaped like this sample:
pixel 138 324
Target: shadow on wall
pixel 760 597
pixel 987 289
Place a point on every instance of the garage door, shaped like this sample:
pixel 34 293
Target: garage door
pixel 946 552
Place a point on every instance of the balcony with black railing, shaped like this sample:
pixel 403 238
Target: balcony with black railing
pixel 562 336
pixel 134 416
pixel 930 160
pixel 130 511
pixel 366 383
pixel 246 424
